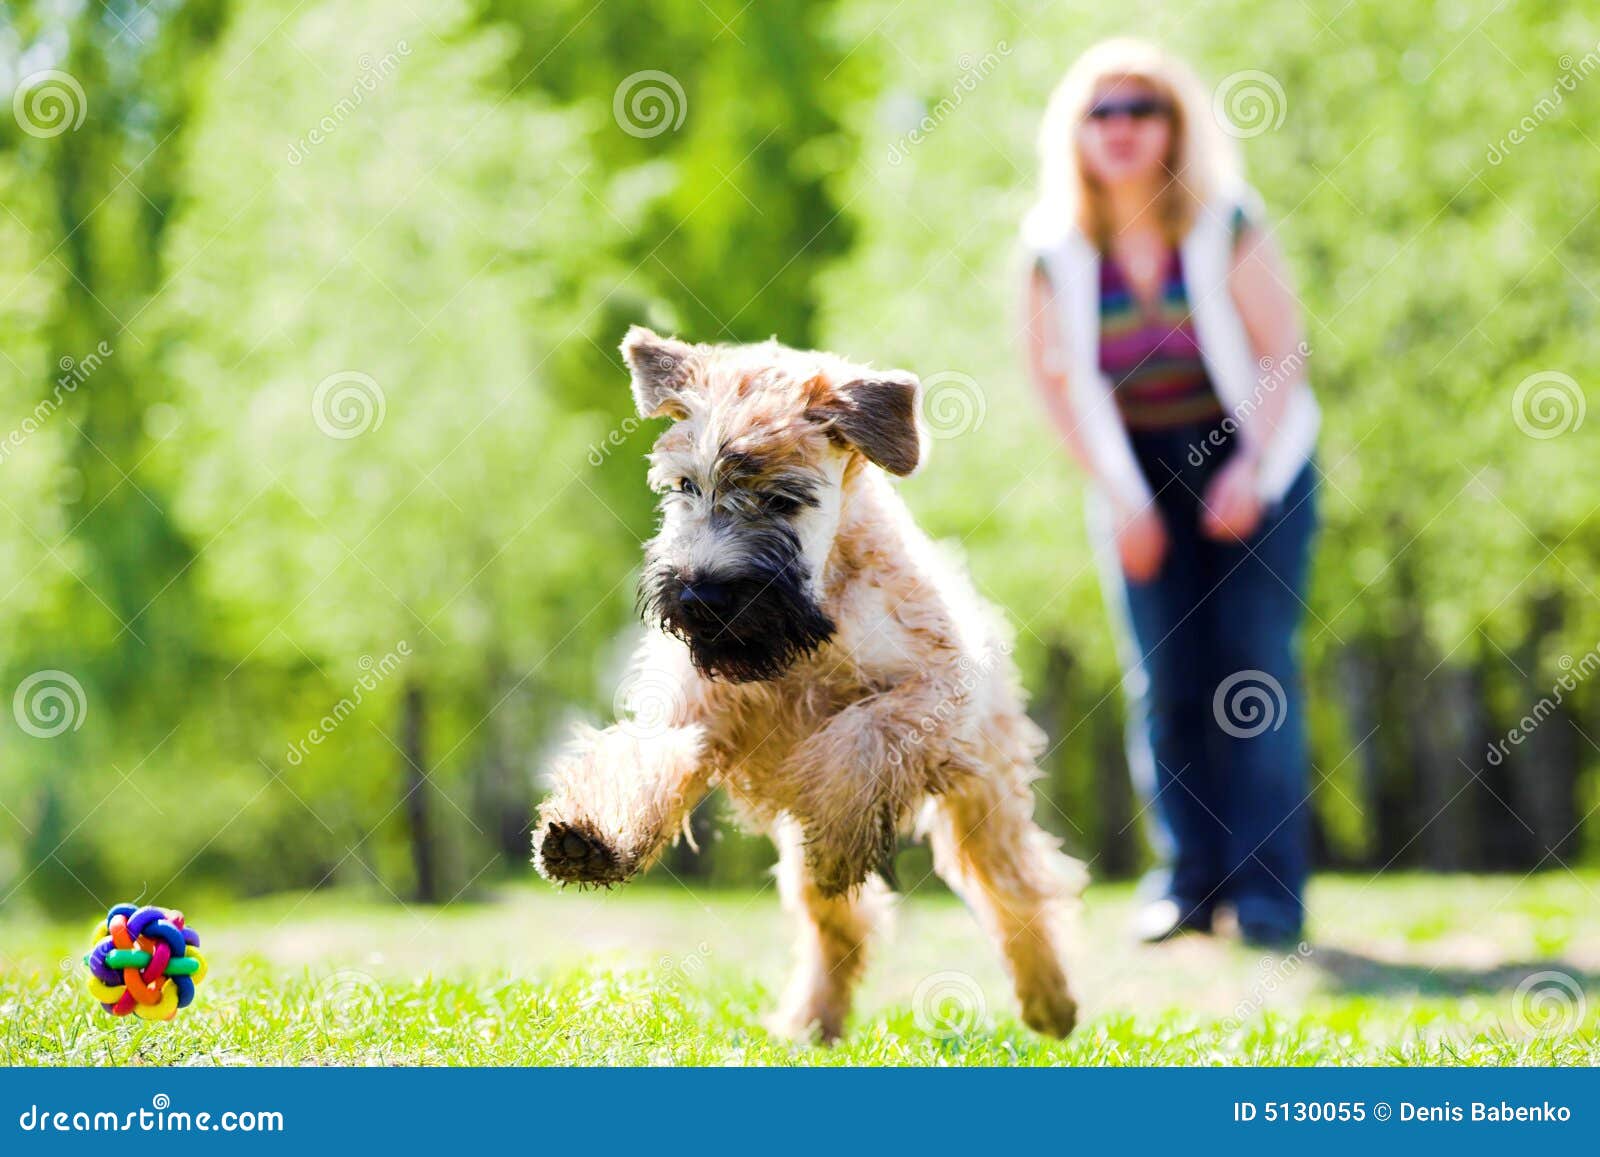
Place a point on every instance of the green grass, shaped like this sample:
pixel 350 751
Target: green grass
pixel 1403 970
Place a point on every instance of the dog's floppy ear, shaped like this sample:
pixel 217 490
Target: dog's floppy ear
pixel 660 368
pixel 878 416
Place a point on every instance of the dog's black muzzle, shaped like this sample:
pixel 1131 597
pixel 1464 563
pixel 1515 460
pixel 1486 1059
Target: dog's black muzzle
pixel 742 627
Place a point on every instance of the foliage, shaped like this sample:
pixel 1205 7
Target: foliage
pixel 1438 273
pixel 426 226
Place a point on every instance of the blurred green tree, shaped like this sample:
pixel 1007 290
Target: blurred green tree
pixel 1439 274
pixel 321 481
pixel 378 262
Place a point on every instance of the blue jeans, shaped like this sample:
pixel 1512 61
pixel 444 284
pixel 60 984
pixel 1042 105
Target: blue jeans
pixel 1217 729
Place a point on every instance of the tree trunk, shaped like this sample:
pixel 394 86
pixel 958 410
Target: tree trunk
pixel 1447 703
pixel 1119 852
pixel 503 791
pixel 1384 804
pixel 1092 792
pixel 1352 677
pixel 413 747
pixel 1543 786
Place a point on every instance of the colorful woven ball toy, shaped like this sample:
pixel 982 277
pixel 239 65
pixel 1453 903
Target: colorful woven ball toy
pixel 144 961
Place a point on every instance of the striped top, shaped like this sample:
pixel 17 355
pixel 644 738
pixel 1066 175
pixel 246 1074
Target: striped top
pixel 1150 352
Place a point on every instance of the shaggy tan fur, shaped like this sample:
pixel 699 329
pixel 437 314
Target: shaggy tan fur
pixel 908 717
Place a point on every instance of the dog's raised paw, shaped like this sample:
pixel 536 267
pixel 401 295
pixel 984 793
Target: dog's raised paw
pixel 574 854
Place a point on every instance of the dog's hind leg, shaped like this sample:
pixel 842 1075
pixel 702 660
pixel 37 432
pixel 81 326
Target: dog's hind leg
pixel 1014 877
pixel 619 796
pixel 832 943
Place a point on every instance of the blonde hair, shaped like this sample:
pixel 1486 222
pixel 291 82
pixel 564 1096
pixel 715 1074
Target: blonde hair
pixel 1201 161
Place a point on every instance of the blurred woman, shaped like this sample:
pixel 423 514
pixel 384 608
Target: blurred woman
pixel 1168 348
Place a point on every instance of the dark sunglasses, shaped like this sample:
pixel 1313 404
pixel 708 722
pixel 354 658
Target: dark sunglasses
pixel 1140 108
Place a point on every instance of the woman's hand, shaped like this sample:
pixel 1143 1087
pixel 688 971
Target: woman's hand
pixel 1233 507
pixel 1141 543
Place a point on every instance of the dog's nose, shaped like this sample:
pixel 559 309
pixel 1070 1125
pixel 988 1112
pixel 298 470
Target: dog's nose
pixel 708 596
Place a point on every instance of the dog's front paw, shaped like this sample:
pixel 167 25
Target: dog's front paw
pixel 1051 1013
pixel 575 853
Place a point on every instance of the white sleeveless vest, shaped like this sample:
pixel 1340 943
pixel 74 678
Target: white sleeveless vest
pixel 1073 266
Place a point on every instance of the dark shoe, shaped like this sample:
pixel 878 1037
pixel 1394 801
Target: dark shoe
pixel 1270 922
pixel 1165 918
pixel 1277 937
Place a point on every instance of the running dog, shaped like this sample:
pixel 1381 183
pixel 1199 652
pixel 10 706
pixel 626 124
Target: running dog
pixel 814 654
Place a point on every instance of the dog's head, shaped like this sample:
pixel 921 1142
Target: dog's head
pixel 752 474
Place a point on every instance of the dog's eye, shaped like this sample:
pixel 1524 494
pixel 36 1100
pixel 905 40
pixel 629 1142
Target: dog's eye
pixel 780 504
pixel 688 486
